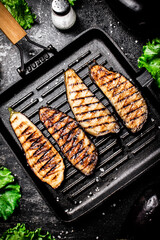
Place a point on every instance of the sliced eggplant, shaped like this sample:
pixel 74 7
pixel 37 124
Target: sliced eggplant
pixel 92 115
pixel 73 142
pixel 123 95
pixel 41 156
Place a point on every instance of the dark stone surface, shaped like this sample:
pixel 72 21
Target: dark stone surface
pixel 89 14
pixel 106 221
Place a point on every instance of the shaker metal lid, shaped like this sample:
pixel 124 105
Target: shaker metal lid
pixel 60 7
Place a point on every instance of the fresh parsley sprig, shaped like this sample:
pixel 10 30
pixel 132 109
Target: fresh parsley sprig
pixel 150 59
pixel 21 12
pixel 9 193
pixel 19 232
pixel 71 2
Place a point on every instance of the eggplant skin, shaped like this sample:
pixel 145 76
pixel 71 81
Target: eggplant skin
pixel 42 157
pixel 91 114
pixel 73 142
pixel 123 95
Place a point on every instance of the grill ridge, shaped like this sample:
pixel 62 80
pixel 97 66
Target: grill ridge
pixel 100 142
pixel 115 151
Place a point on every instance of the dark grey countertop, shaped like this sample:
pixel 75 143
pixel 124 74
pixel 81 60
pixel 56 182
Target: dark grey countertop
pixel 106 221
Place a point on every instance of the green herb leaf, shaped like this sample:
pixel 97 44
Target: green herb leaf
pixel 150 59
pixel 21 233
pixel 9 193
pixel 71 2
pixel 5 177
pixel 21 12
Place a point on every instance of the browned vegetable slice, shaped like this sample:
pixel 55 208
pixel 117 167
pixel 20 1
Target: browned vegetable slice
pixel 92 115
pixel 74 144
pixel 41 156
pixel 124 96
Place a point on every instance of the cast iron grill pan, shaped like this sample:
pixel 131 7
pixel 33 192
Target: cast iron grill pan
pixel 122 157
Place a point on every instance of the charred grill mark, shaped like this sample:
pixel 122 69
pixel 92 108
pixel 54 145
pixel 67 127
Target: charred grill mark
pixel 106 74
pixel 50 171
pixel 45 165
pixel 55 114
pixel 51 119
pixel 24 131
pixel 113 79
pixel 61 136
pixel 19 126
pixel 36 142
pixel 82 97
pixel 82 160
pixel 91 159
pixel 126 97
pixel 62 129
pixel 76 91
pixel 73 133
pixel 42 158
pixel 72 141
pixel 131 111
pixel 52 116
pixel 87 104
pixel 77 83
pixel 61 119
pixel 124 90
pixel 79 150
pixel 84 156
pixel 100 124
pixel 14 120
pixel 45 113
pixel 124 106
pixel 80 142
pixel 89 162
pixel 95 110
pixel 130 120
pixel 117 86
pixel 89 119
pixel 39 150
pixel 102 131
pixel 55 124
pixel 139 126
pixel 30 137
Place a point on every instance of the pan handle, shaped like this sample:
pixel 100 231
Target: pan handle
pixel 11 28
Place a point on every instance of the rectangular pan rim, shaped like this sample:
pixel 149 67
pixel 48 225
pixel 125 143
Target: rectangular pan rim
pixel 67 217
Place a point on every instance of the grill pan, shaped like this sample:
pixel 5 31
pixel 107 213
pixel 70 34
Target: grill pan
pixel 122 157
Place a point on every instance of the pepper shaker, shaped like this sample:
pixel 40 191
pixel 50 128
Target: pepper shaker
pixel 63 15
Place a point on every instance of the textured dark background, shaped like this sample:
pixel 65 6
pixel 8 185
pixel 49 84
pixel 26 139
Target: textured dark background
pixel 106 221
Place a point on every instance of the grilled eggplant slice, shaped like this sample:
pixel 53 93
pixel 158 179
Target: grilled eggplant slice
pixel 74 144
pixel 92 115
pixel 126 99
pixel 41 156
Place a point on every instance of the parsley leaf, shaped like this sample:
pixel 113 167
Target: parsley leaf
pixel 71 2
pixel 21 12
pixel 150 59
pixel 21 233
pixel 9 193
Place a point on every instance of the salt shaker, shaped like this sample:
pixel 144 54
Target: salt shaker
pixel 63 15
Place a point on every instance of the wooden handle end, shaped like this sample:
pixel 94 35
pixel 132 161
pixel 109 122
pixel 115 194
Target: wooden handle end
pixel 10 26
